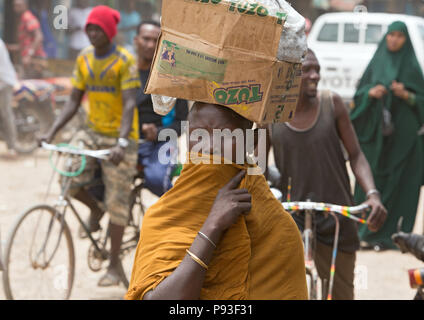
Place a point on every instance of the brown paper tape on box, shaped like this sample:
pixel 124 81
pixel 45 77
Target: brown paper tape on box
pixel 224 52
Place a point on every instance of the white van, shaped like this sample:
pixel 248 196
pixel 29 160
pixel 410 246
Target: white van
pixel 346 42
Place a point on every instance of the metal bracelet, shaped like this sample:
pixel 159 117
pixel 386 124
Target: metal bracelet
pixel 197 259
pixel 207 238
pixel 372 191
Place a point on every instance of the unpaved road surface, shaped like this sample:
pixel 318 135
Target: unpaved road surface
pixel 23 183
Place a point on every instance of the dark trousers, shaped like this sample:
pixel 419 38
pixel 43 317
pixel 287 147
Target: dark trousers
pixel 157 175
pixel 344 277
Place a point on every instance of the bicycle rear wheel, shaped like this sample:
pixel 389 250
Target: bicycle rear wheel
pixel 39 259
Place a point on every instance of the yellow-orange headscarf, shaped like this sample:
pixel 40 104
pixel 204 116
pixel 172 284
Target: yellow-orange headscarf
pixel 259 257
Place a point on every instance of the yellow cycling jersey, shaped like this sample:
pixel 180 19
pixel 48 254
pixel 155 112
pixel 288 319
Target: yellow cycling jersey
pixel 103 79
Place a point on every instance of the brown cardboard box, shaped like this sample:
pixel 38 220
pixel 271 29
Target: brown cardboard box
pixel 224 52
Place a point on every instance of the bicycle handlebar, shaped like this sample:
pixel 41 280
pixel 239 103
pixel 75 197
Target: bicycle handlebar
pixel 98 154
pixel 326 207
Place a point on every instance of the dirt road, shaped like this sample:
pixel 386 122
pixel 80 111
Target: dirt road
pixel 23 183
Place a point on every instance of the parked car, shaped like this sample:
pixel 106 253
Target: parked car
pixel 345 43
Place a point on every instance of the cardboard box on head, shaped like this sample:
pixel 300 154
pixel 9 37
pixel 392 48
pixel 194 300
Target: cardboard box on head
pixel 225 52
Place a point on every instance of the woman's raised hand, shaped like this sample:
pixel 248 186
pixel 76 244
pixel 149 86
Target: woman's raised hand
pixel 229 204
pixel 399 90
pixel 378 92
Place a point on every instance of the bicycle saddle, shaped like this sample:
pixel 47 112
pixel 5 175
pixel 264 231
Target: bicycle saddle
pixel 409 242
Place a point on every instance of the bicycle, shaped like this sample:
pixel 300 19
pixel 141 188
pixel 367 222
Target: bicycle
pixel 311 208
pixel 40 241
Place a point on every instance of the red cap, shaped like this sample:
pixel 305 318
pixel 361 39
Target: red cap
pixel 106 18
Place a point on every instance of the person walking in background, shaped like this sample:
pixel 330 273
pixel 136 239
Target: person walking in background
pixel 308 153
pixel 130 20
pixel 157 175
pixel 41 11
pixel 388 112
pixel 30 37
pixel 8 80
pixel 77 17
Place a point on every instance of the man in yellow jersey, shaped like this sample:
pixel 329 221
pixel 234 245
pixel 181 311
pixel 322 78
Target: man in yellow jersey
pixel 108 75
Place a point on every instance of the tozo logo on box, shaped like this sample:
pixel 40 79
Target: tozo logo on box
pixel 238 95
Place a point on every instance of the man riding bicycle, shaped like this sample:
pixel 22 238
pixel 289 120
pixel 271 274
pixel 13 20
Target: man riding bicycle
pixel 309 155
pixel 107 73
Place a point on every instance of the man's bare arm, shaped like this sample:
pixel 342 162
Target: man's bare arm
pixel 129 102
pixel 358 162
pixel 67 114
pixel 117 153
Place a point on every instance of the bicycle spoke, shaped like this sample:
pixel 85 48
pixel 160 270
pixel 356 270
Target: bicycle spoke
pixel 62 217
pixel 39 266
pixel 42 251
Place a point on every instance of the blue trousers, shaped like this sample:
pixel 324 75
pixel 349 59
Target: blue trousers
pixel 156 174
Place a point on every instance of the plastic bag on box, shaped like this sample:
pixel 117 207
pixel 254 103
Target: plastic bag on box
pixel 293 43
pixel 163 105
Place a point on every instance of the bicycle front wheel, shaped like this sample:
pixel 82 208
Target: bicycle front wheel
pixel 39 259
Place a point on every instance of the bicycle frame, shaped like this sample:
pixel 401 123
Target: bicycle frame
pixel 308 236
pixel 334 256
pixel 308 253
pixel 102 251
pixel 49 230
pixel 310 208
pixel 65 202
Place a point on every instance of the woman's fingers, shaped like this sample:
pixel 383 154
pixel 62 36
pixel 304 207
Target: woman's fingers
pixel 235 181
pixel 245 197
pixel 244 207
pixel 238 191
